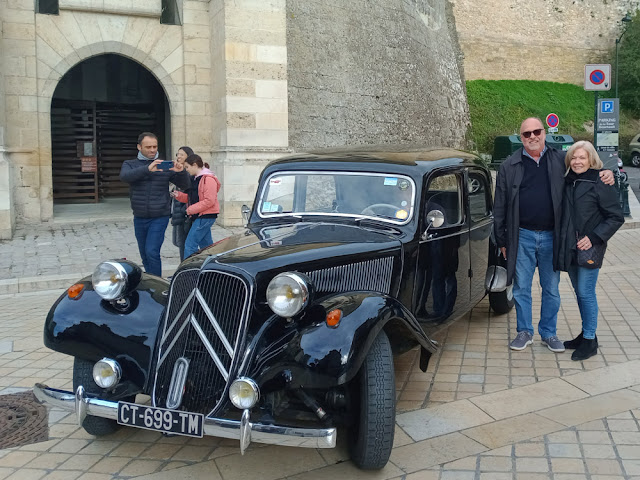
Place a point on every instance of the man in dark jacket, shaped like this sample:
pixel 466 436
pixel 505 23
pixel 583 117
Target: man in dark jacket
pixel 150 200
pixel 527 211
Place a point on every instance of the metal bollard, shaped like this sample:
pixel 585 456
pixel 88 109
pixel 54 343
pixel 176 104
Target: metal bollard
pixel 624 198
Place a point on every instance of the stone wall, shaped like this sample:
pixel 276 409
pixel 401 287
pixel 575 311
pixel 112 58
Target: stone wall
pixel 538 40
pixel 370 72
pixel 7 219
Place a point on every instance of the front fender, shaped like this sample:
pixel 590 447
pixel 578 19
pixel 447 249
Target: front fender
pixel 308 353
pixel 92 328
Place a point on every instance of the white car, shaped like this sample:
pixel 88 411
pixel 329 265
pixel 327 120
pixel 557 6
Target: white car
pixel 634 148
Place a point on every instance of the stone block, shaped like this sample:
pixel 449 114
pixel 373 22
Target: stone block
pixel 152 34
pixel 203 76
pixel 240 52
pixel 18 48
pixel 16 66
pixel 272 121
pixel 196 92
pixel 66 23
pixel 271 89
pixel 195 17
pixel 195 108
pixel 18 31
pixel 194 58
pixel 238 17
pixel 240 87
pixel 14 15
pixel 30 63
pixel 255 36
pixel 19 85
pixel 47 54
pixel 167 45
pixel 173 61
pixel 255 105
pixel 241 120
pixel 195 31
pixel 257 71
pixel 28 103
pixel 20 4
pixel 199 45
pixel 271 54
pixel 136 26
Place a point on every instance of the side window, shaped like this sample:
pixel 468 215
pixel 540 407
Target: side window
pixel 478 188
pixel 445 194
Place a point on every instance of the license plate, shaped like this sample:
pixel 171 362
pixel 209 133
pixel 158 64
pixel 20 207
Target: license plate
pixel 160 419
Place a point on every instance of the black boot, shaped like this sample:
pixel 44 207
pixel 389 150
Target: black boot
pixel 587 349
pixel 573 344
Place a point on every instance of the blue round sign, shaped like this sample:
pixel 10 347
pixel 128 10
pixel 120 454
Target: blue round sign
pixel 552 120
pixel 597 77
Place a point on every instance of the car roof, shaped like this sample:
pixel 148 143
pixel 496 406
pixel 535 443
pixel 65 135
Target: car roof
pixel 373 157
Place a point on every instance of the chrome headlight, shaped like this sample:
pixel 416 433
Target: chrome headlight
pixel 107 373
pixel 244 393
pixel 288 294
pixel 109 280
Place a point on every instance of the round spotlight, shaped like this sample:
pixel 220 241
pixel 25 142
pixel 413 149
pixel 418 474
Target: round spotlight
pixel 288 294
pixel 107 373
pixel 109 280
pixel 244 393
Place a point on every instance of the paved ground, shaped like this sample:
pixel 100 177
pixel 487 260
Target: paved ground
pixel 480 412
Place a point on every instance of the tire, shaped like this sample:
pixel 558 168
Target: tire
pixel 624 177
pixel 635 159
pixel 372 435
pixel 502 302
pixel 83 375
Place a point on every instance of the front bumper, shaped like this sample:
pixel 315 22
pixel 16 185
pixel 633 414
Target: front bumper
pixel 242 430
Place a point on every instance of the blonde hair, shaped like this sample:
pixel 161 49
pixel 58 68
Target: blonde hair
pixel 594 159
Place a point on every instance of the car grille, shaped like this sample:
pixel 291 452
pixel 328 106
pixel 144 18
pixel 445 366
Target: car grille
pixel 373 275
pixel 207 314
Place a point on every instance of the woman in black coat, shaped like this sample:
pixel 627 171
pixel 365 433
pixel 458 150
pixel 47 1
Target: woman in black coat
pixel 591 214
pixel 179 209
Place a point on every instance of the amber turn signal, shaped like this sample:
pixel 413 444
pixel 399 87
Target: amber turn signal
pixel 74 291
pixel 334 317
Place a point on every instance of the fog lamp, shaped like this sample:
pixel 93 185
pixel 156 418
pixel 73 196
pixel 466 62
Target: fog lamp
pixel 107 373
pixel 244 393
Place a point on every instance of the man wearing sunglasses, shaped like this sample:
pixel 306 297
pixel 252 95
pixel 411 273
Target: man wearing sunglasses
pixel 527 211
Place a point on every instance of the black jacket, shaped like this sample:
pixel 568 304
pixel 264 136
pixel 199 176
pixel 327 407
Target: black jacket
pixel 149 191
pixel 590 208
pixel 506 210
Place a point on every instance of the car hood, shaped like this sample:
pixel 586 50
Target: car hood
pixel 280 246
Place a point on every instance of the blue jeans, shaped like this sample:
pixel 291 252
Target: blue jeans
pixel 150 235
pixel 199 236
pixel 535 248
pixel 584 283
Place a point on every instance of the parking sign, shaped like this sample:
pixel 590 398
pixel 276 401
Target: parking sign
pixel 607 106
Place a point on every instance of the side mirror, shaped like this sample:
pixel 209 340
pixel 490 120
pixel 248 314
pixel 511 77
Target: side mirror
pixel 435 219
pixel 246 211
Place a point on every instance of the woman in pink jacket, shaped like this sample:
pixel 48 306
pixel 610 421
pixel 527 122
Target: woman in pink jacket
pixel 203 204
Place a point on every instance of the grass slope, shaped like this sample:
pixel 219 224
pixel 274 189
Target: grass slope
pixel 497 107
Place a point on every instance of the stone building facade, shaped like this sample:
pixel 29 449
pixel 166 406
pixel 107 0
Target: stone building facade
pixel 548 40
pixel 244 81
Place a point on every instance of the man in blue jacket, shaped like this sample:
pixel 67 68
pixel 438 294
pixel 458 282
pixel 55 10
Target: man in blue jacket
pixel 150 200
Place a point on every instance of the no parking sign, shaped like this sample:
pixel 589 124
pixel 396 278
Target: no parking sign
pixel 597 77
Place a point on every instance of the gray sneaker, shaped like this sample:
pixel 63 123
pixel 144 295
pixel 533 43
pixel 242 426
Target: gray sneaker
pixel 554 344
pixel 521 341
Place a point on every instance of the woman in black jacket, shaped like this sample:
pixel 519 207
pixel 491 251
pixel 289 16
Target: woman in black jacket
pixel 591 214
pixel 179 209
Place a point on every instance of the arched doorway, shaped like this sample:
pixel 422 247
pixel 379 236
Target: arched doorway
pixel 97 111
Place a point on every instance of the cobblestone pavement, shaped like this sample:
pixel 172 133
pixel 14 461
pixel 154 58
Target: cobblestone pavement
pixel 480 412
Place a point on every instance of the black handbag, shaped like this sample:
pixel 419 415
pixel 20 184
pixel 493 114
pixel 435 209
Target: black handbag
pixel 592 257
pixel 188 221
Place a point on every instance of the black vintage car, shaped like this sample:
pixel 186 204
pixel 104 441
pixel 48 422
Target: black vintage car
pixel 284 333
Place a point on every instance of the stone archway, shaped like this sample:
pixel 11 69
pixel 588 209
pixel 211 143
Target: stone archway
pixel 161 64
pixel 98 108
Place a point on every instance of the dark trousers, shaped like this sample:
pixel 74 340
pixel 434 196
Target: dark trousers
pixel 150 235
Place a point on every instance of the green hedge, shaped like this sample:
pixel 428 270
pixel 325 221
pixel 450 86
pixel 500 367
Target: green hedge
pixel 497 107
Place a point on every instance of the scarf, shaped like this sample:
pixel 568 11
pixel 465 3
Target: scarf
pixel 142 157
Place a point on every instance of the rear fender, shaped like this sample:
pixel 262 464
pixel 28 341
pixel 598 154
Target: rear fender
pixel 308 353
pixel 91 328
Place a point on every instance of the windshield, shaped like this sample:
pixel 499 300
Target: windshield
pixel 388 198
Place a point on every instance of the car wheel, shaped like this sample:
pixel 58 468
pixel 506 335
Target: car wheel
pixel 635 159
pixel 372 436
pixel 83 375
pixel 502 302
pixel 624 177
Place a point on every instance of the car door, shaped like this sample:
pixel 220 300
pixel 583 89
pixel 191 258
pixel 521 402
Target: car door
pixel 480 225
pixel 441 289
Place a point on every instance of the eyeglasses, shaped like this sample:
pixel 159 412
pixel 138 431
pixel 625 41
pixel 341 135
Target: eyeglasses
pixel 536 133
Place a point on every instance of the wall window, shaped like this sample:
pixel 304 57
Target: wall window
pixel 171 12
pixel 48 7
